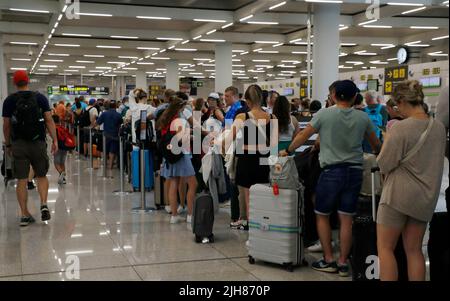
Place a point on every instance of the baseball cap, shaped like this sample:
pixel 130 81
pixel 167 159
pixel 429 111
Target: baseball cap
pixel 214 95
pixel 20 76
pixel 91 101
pixel 346 89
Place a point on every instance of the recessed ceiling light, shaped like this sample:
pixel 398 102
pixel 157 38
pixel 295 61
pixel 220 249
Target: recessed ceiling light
pixel 299 52
pixel 404 4
pixel 153 18
pixel 67 45
pixel 23 43
pixel 424 27
pixel 20 59
pixel 269 51
pixel 127 57
pixel 77 67
pixel 343 28
pixel 227 25
pixel 76 34
pixel 324 1
pixel 86 62
pixel 263 23
pixel 277 5
pixel 108 46
pixel 267 42
pixel 94 14
pixel 377 26
pixel 147 48
pixel 413 10
pixel 93 55
pixel 48 66
pixel 17 68
pixel 211 31
pixel 160 58
pixel 197 37
pixel 129 68
pixel 246 18
pixel 169 39
pixel 367 22
pixel 440 38
pixel 58 54
pixel 277 45
pixel 53 61
pixel 212 40
pixel 124 37
pixel 348 44
pixel 30 10
pixel 294 41
pixel 103 67
pixel 185 49
pixel 145 63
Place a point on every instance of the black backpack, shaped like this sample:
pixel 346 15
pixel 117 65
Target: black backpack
pixel 165 147
pixel 28 118
pixel 148 142
pixel 85 119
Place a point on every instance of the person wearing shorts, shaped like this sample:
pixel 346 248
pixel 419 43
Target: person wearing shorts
pixel 342 130
pixel 59 158
pixel 111 121
pixel 28 151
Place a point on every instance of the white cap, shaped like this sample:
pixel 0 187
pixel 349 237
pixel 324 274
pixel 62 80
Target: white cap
pixel 214 95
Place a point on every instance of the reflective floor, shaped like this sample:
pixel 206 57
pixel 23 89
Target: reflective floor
pixel 113 243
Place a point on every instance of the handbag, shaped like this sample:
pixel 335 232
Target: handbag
pixel 283 173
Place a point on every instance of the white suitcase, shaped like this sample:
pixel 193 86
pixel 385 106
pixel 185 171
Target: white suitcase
pixel 276 226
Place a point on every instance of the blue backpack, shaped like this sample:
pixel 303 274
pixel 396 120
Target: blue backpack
pixel 376 117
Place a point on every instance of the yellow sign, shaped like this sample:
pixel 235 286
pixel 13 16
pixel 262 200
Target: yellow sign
pixel 395 73
pixel 426 72
pixel 362 77
pixel 370 76
pixel 302 92
pixel 436 70
pixel 292 85
pixel 401 73
pixel 388 87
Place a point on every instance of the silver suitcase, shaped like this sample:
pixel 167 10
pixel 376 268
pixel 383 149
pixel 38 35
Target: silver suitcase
pixel 276 226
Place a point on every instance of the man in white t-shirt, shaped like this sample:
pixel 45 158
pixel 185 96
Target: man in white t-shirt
pixel 137 103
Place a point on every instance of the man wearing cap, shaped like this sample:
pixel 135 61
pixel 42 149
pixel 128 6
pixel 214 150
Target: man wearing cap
pixel 214 122
pixel 26 117
pixel 342 130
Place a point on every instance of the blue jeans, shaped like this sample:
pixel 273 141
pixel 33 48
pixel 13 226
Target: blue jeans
pixel 338 187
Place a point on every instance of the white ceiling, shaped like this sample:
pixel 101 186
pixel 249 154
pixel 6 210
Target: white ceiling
pixel 35 27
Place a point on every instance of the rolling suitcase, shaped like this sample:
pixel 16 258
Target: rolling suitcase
pixel 203 218
pixel 276 226
pixel 439 247
pixel 364 253
pixel 6 168
pixel 135 155
pixel 158 190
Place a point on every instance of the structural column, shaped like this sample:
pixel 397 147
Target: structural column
pixel 172 78
pixel 224 77
pixel 141 80
pixel 3 84
pixel 120 87
pixel 325 48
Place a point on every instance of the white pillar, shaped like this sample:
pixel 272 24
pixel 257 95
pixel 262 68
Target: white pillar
pixel 3 85
pixel 224 77
pixel 325 48
pixel 172 79
pixel 141 80
pixel 120 87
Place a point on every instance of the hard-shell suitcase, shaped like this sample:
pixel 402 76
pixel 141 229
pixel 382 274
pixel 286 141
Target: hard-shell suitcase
pixel 276 226
pixel 135 155
pixel 439 247
pixel 203 218
pixel 158 190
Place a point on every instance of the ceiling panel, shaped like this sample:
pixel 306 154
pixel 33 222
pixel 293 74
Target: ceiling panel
pixel 203 4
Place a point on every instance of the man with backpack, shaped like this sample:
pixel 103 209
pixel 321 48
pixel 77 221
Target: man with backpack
pixel 379 116
pixel 87 122
pixel 26 117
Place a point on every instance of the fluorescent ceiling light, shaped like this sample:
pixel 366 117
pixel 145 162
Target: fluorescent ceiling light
pixel 147 48
pixel 437 53
pixel 101 67
pixel 124 37
pixel 354 62
pixel 404 4
pixel 86 62
pixel 380 45
pixel 296 40
pixel 210 20
pixel 127 57
pixel 185 49
pixel 67 45
pixel 153 18
pixel 58 54
pixel 211 31
pixel 267 42
pixel 238 65
pixel 129 68
pixel 197 37
pixel 201 59
pixel 392 59
pixel 367 22
pixel 95 71
pixel 108 46
pixel 277 45
pixel 343 28
pixel 378 62
pixel 66 74
pixel 419 45
pixel 94 14
pixel 76 34
pixel 292 62
pixel 243 53
pixel 93 55
pixel 366 53
pixel 184 42
pixel 280 78
pixel 23 43
pixel 118 63
pixel 169 39
pixel 277 5
pixel 118 71
pixel 212 40
pixel 41 73
pixel 414 42
pixel 286 66
pixel 264 66
pixel 269 51
pixel 324 1
pixel 160 58
pixel 48 66
pixel 348 44
pixel 162 50
pixel 413 10
pixel 440 38
pixel 246 18
pixel 257 49
pixel 299 52
pixel 71 70
pixel 377 26
pixel 227 25
pixel 20 59
pixel 17 68
pixel 145 63
pixel 387 47
pixel 261 61
pixel 262 23
pixel 243 77
pixel 30 10
pixel 77 67
pixel 424 27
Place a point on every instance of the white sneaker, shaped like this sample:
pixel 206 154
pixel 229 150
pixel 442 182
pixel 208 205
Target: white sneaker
pixel 60 178
pixel 317 247
pixel 180 209
pixel 168 210
pixel 189 219
pixel 176 219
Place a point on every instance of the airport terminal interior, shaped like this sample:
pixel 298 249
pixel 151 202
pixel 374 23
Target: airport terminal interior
pixel 102 50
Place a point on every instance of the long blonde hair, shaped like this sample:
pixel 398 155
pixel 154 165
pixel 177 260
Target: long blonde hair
pixel 253 95
pixel 409 91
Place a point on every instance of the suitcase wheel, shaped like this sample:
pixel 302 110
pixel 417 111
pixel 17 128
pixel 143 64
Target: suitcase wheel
pixel 198 239
pixel 251 260
pixel 211 238
pixel 305 263
pixel 289 267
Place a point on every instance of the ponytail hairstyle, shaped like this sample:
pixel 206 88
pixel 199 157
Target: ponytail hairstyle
pixel 175 106
pixel 409 91
pixel 282 110
pixel 140 94
pixel 254 95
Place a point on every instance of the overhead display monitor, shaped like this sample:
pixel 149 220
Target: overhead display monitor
pixel 372 84
pixel 288 92
pixel 362 86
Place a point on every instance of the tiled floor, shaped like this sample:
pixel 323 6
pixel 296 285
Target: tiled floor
pixel 112 243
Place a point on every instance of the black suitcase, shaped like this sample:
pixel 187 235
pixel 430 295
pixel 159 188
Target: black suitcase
pixel 158 190
pixel 364 234
pixel 203 218
pixel 439 247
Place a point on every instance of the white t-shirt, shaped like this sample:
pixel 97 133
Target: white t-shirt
pixel 93 114
pixel 135 112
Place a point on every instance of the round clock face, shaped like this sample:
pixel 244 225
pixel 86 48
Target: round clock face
pixel 402 55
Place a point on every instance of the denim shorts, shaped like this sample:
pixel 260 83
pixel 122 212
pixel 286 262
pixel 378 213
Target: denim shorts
pixel 338 188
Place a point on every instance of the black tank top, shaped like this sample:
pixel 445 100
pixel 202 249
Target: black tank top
pixel 263 130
